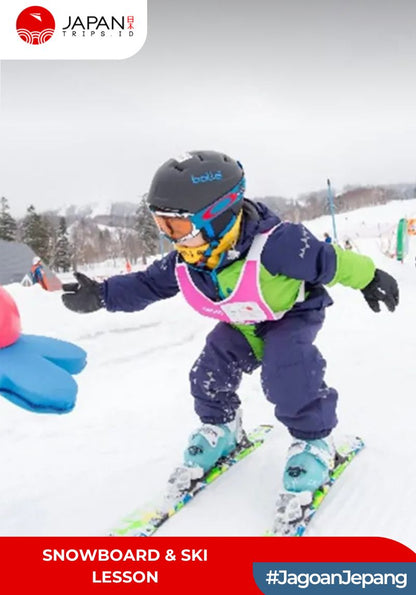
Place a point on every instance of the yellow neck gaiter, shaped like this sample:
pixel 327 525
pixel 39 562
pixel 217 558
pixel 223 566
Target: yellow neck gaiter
pixel 195 255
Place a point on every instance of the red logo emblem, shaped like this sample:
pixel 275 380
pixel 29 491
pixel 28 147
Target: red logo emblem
pixel 35 25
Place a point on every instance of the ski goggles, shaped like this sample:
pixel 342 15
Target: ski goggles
pixel 177 227
pixel 180 227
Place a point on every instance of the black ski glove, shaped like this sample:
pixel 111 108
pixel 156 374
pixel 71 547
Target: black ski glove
pixel 383 288
pixel 83 296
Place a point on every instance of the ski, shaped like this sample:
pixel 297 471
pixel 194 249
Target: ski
pixel 145 522
pixel 294 511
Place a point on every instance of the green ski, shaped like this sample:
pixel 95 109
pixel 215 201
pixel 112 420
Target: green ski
pixel 294 511
pixel 145 522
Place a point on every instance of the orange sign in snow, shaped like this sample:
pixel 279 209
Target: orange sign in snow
pixel 411 227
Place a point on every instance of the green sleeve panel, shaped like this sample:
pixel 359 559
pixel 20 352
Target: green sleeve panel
pixel 353 270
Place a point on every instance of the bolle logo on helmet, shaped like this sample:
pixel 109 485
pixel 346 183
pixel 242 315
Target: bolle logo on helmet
pixel 35 25
pixel 208 176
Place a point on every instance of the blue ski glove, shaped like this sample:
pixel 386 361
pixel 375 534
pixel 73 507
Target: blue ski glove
pixel 35 371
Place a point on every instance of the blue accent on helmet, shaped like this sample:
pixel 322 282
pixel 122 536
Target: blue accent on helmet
pixel 202 218
pixel 208 176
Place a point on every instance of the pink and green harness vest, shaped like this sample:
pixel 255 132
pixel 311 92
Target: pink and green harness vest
pixel 257 295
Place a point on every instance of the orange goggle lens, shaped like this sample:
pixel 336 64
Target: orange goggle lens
pixel 175 227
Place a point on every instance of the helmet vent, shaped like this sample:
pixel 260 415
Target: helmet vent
pixel 178 167
pixel 200 157
pixel 226 159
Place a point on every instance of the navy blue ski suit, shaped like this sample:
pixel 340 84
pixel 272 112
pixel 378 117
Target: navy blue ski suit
pixel 292 368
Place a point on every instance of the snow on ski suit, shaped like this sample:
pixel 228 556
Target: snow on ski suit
pixel 292 368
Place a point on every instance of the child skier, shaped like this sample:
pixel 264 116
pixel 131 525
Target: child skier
pixel 263 280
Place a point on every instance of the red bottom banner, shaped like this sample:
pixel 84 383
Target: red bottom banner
pixel 189 566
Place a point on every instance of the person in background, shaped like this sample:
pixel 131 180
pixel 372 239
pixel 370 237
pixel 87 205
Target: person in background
pixel 347 245
pixel 37 273
pixel 328 238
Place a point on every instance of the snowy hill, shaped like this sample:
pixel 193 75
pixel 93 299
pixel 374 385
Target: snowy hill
pixel 98 210
pixel 78 474
pixel 368 222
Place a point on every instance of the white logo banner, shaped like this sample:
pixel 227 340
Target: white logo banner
pixel 72 29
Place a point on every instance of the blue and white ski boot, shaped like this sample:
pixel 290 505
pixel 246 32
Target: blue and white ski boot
pixel 206 446
pixel 309 464
pixel 211 442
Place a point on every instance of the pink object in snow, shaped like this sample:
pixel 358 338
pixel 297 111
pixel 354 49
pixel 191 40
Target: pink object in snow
pixel 9 320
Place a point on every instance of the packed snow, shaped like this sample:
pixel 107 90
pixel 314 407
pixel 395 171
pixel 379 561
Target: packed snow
pixel 79 473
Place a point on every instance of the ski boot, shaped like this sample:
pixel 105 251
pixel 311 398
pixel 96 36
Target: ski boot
pixel 211 442
pixel 309 464
pixel 206 446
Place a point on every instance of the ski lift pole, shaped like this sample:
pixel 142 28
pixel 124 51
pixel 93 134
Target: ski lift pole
pixel 332 210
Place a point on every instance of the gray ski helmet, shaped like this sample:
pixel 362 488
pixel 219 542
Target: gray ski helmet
pixel 193 181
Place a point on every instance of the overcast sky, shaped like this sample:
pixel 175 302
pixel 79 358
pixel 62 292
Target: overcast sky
pixel 298 91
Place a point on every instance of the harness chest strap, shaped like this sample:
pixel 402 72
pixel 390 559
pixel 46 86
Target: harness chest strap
pixel 246 304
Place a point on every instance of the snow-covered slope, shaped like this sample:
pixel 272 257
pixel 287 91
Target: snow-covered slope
pixel 77 474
